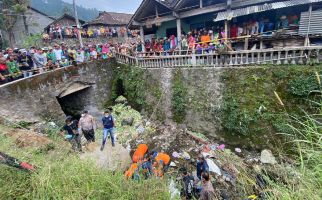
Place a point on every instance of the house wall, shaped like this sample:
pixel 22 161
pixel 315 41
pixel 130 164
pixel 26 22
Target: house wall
pixel 36 23
pixel 66 22
pixel 162 30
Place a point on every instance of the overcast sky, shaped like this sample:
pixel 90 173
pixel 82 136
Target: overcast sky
pixel 126 6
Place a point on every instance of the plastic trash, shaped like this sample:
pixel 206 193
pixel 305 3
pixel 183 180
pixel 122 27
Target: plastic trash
pixel 186 156
pixel 213 167
pixel 221 147
pixel 213 147
pixel 174 192
pixel 175 154
pixel 238 150
pixel 140 129
pixel 205 154
pixel 68 137
pixel 172 164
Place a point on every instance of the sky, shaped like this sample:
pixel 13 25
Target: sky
pixel 125 6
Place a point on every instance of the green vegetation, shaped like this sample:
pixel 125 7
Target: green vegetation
pixel 250 109
pixel 304 181
pixel 32 40
pixel 137 86
pixel 179 98
pixel 62 175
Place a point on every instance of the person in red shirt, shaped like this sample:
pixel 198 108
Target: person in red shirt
pixel 233 31
pixel 3 70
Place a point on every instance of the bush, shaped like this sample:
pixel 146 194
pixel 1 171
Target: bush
pixel 301 86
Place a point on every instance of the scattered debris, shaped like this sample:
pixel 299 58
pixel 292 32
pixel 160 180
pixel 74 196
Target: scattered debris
pixel 213 167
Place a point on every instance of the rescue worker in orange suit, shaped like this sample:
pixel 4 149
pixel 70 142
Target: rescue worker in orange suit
pixel 161 164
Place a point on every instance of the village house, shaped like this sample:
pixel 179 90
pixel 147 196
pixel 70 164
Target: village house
pixel 110 20
pixel 36 22
pixel 65 20
pixel 248 24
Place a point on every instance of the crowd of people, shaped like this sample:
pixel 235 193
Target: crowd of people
pixel 22 63
pixel 207 40
pixel 64 32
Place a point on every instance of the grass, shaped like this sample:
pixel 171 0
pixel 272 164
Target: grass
pixel 305 181
pixel 62 175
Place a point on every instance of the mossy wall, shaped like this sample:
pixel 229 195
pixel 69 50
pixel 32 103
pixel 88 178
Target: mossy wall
pixel 227 104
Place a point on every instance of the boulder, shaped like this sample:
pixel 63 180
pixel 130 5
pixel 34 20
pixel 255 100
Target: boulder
pixel 127 121
pixel 267 157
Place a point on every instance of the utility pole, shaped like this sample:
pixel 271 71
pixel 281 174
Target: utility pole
pixel 77 24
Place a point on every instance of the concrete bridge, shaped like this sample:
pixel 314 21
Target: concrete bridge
pixel 51 94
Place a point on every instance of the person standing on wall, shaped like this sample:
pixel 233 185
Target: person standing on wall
pixel 109 128
pixel 87 125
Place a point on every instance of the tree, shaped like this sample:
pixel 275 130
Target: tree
pixel 67 10
pixel 11 9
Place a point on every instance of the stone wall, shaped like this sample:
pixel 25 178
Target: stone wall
pixel 35 98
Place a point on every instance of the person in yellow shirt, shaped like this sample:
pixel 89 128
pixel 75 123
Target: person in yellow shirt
pixel 90 32
pixel 102 30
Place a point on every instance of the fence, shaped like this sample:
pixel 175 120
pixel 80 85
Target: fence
pixel 294 55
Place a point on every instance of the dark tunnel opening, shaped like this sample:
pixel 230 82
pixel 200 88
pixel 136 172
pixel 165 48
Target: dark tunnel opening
pixel 119 88
pixel 75 103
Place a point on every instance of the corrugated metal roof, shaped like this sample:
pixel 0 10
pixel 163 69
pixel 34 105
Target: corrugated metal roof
pixel 261 8
pixel 315 23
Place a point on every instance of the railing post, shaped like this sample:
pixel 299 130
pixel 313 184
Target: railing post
pixel 300 62
pixel 253 58
pixel 272 57
pixel 317 56
pixel 286 58
pixel 247 57
pixel 216 61
pixel 236 59
pixel 231 60
pixel 279 58
pixel 258 58
pixel 308 57
pixel 264 58
pixel 241 59
pixel 293 60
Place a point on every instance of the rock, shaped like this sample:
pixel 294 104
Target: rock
pixel 127 121
pixel 267 157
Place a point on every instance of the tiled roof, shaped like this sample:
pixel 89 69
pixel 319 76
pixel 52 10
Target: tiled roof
pixel 111 18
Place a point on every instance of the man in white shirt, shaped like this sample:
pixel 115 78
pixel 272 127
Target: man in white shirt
pixel 58 53
pixel 80 56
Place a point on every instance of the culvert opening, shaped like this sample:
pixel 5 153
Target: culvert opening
pixel 74 103
pixel 119 88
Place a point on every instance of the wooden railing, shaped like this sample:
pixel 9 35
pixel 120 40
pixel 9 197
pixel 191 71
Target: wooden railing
pixel 294 55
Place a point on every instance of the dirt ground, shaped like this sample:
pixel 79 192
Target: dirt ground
pixel 26 138
pixel 111 158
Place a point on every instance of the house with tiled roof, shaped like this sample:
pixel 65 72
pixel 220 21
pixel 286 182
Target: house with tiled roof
pixel 109 19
